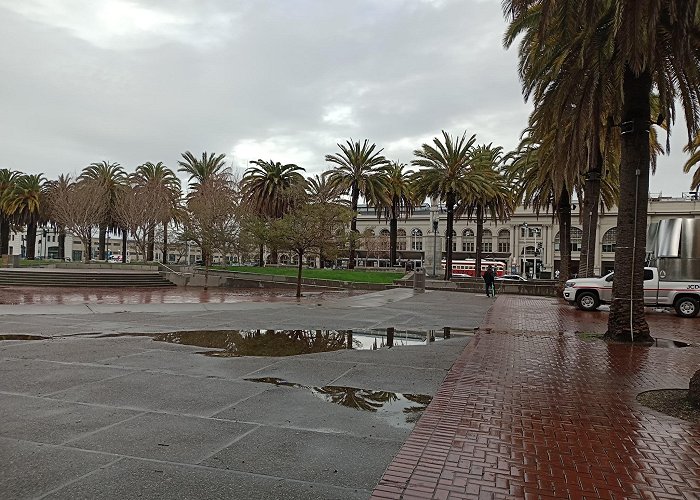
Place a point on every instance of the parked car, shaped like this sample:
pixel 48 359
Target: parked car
pixel 511 277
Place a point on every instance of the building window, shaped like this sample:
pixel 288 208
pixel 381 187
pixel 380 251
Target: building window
pixel 468 240
pixel 401 239
pixel 416 239
pixel 487 242
pixel 384 240
pixel 609 240
pixel 504 241
pixel 575 238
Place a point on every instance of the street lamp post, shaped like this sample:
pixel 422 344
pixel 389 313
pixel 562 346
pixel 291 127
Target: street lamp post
pixel 435 230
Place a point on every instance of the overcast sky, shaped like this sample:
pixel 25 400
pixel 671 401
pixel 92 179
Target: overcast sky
pixel 136 81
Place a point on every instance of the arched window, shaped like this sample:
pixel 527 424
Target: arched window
pixel 400 239
pixel 609 240
pixel 367 239
pixel 487 242
pixel 575 238
pixel 454 241
pixel 284 259
pixel 384 239
pixel 467 240
pixel 416 239
pixel 504 241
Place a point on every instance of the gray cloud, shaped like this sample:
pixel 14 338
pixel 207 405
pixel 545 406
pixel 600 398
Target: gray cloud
pixel 135 81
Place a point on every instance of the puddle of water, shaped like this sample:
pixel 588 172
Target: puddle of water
pixel 231 343
pixel 18 336
pixel 399 410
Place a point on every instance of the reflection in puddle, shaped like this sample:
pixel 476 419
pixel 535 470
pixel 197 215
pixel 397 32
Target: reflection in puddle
pixel 667 343
pixel 19 336
pixel 282 342
pixel 399 410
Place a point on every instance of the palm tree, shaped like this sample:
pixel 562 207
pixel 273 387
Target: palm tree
pixel 24 204
pixel 199 170
pixel 647 44
pixel 7 182
pixel 355 171
pixel 319 191
pixel 110 176
pixel 57 188
pixel 163 187
pixel 495 201
pixel 446 174
pixel 693 147
pixel 399 200
pixel 272 189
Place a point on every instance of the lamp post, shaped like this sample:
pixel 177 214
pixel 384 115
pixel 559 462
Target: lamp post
pixel 524 226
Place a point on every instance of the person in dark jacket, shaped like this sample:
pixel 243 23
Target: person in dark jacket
pixel 488 280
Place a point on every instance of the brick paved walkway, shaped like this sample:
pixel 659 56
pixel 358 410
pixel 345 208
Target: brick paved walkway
pixel 527 414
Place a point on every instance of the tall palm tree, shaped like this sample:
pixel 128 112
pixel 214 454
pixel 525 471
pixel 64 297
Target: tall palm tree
pixel 163 187
pixel 24 204
pixel 110 176
pixel 649 44
pixel 446 174
pixel 199 170
pixel 272 189
pixel 320 192
pixel 693 147
pixel 399 200
pixel 355 171
pixel 7 181
pixel 59 187
pixel 496 201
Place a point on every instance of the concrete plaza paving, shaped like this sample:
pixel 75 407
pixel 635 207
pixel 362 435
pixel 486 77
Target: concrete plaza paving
pixel 86 417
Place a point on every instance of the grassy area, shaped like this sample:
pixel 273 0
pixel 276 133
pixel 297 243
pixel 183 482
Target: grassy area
pixel 328 274
pixel 35 262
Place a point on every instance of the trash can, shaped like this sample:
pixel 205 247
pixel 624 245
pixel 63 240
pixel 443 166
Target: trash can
pixel 419 280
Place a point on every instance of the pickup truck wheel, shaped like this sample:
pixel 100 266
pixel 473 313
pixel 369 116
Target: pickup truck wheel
pixel 588 301
pixel 687 307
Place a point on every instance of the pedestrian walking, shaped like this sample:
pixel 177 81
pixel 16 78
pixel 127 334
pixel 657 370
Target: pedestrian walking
pixel 489 281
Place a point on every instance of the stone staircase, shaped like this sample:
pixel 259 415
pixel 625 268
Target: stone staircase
pixel 44 277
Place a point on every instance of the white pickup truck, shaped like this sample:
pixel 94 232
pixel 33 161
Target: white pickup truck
pixel 684 296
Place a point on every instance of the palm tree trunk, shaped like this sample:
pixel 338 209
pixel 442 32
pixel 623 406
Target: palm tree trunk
pixel 31 240
pixel 299 268
pixel 564 216
pixel 261 256
pixel 124 245
pixel 101 253
pixel 626 320
pixel 589 212
pixel 61 243
pixel 4 237
pixel 151 244
pixel 448 235
pixel 393 232
pixel 479 239
pixel 165 242
pixel 355 192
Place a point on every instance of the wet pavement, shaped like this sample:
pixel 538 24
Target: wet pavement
pixel 536 407
pixel 126 417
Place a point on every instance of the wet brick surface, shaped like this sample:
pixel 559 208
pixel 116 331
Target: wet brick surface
pixel 531 410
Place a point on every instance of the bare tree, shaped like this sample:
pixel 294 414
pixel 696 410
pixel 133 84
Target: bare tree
pixel 78 208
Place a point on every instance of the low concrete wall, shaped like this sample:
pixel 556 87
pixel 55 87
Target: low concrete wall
pixel 104 265
pixel 540 288
pixel 236 279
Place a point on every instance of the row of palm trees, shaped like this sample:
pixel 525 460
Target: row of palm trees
pixel 601 74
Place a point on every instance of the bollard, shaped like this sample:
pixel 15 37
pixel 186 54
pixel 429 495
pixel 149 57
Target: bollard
pixel 446 332
pixel 349 333
pixel 419 280
pixel 390 336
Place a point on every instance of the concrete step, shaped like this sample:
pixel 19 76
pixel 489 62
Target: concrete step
pixel 49 278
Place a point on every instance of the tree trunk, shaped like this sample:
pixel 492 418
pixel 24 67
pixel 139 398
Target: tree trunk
pixel 206 270
pixel 31 241
pixel 274 255
pixel 4 237
pixel 564 216
pixel 589 213
pixel 321 259
pixel 261 256
pixel 87 249
pixel 479 240
pixel 61 244
pixel 299 268
pixel 101 247
pixel 448 235
pixel 151 244
pixel 626 320
pixel 355 192
pixel 165 243
pixel 393 232
pixel 124 245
